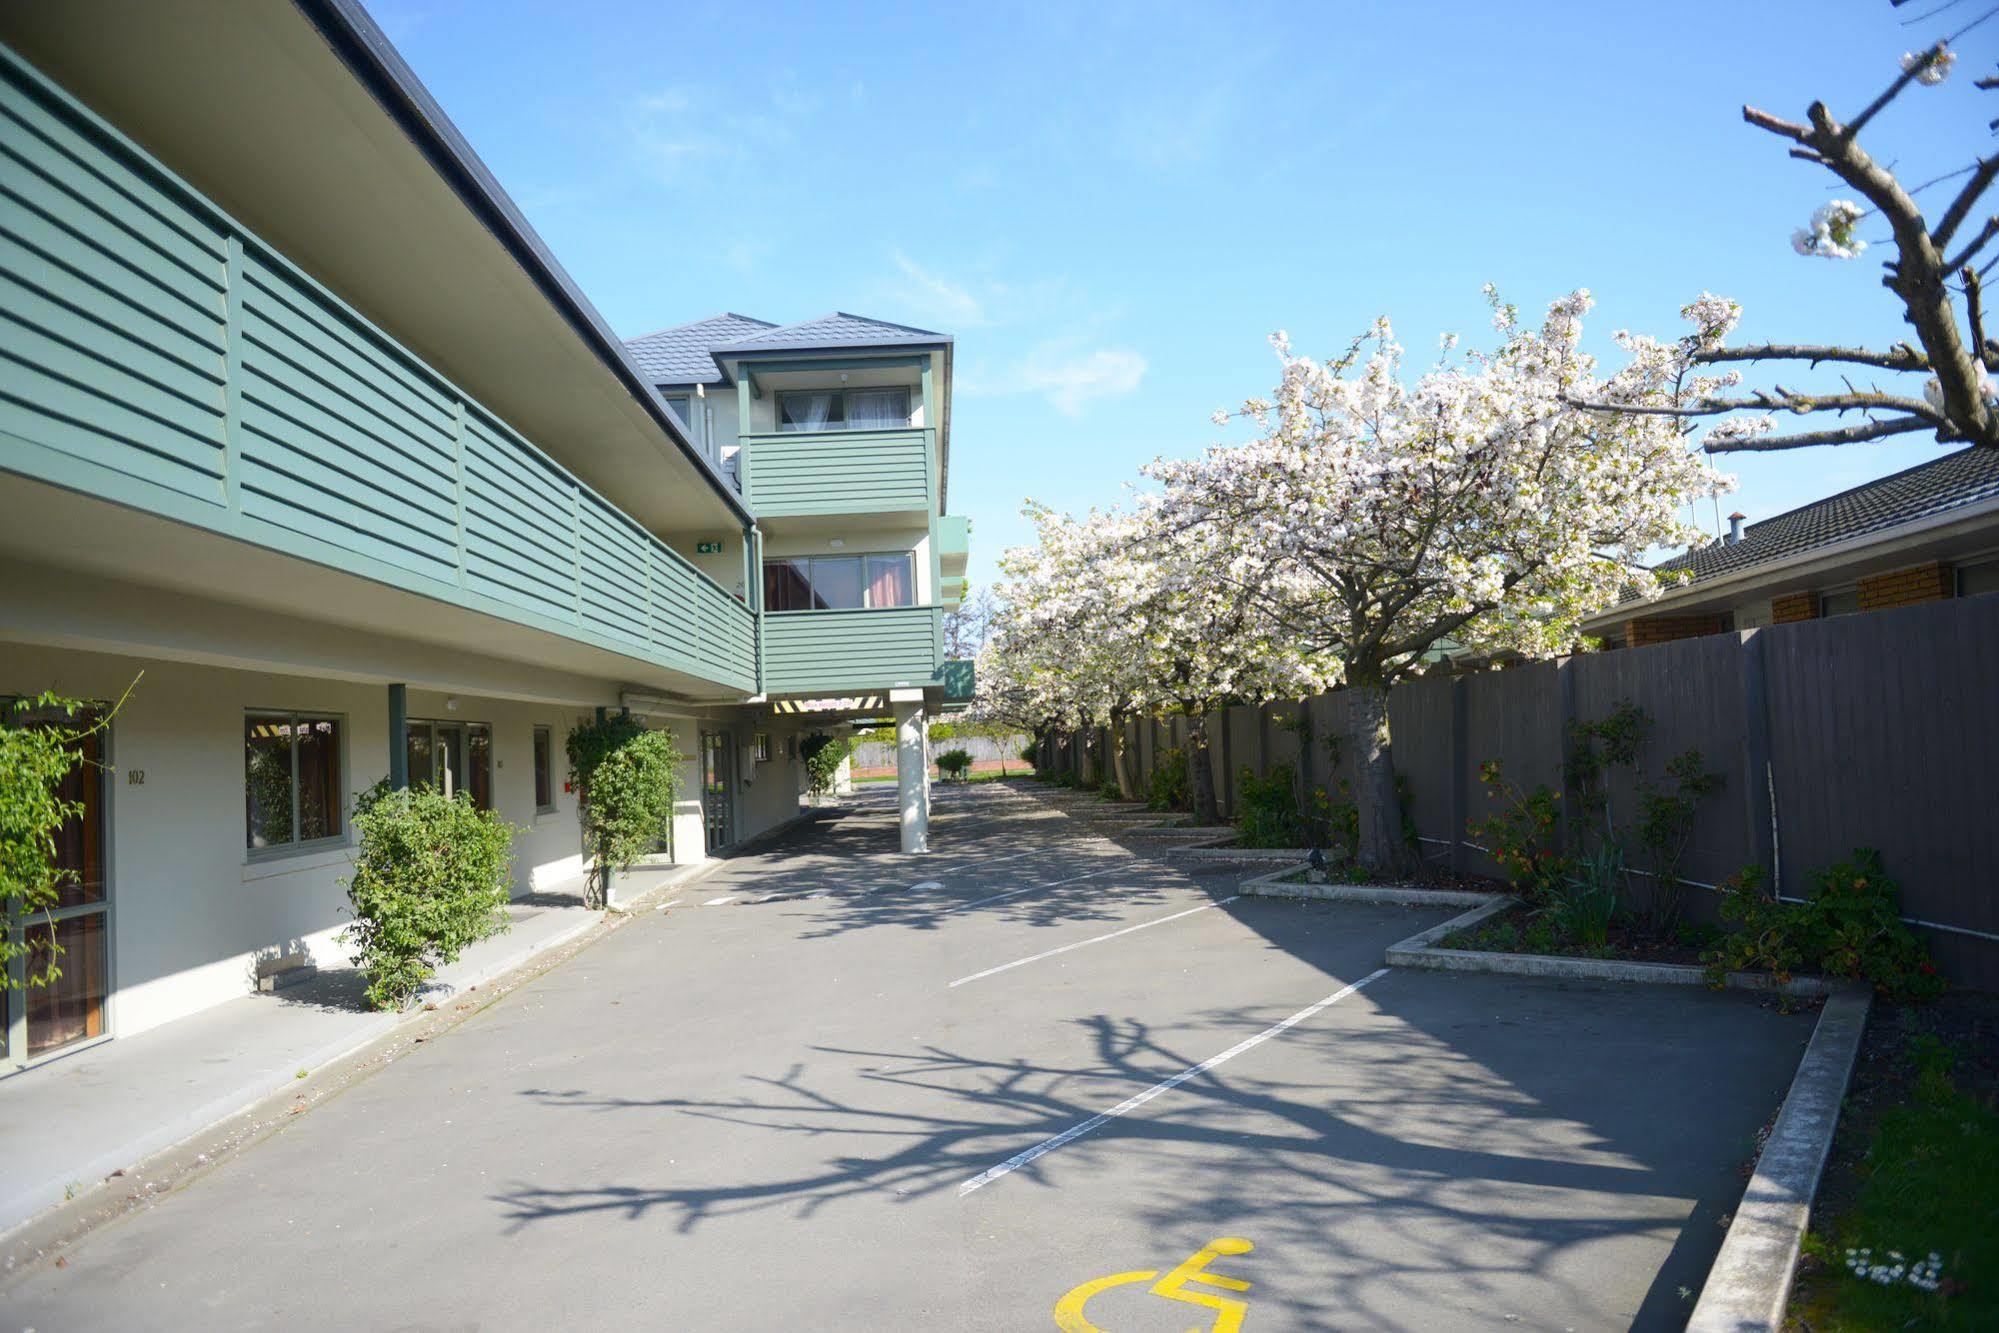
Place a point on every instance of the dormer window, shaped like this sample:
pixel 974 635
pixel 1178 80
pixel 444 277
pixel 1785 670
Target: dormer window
pixel 842 409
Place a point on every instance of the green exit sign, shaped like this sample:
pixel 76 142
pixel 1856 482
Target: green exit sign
pixel 707 548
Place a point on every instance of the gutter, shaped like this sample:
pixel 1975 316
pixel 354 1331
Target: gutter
pixel 1883 541
pixel 376 65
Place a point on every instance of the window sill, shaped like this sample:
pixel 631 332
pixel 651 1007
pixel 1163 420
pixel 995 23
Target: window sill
pixel 543 816
pixel 269 865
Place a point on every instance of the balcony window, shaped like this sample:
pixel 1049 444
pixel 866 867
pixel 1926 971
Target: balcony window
pixel 681 407
pixel 843 409
pixel 840 582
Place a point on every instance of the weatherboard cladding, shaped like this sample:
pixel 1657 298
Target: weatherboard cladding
pixel 1924 491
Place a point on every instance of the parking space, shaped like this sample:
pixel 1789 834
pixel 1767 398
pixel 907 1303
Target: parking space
pixel 1035 1079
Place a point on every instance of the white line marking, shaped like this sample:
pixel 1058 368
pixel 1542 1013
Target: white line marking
pixel 1129 1104
pixel 923 884
pixel 717 902
pixel 1015 893
pixel 1156 921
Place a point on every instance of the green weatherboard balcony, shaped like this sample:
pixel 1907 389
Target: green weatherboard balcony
pixel 843 652
pixel 160 356
pixel 840 472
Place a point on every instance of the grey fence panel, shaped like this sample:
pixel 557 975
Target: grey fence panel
pixel 1883 729
pixel 1692 690
pixel 1514 717
pixel 1419 723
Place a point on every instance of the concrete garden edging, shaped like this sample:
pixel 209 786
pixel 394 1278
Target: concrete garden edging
pixel 1274 885
pixel 1749 1284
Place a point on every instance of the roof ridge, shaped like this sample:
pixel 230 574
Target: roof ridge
pixel 1938 461
pixel 696 323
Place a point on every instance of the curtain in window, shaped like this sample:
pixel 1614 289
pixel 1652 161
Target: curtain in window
pixel 805 411
pixel 890 581
pixel 877 409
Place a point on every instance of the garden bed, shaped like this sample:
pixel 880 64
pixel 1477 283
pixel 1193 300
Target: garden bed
pixel 1517 932
pixel 1915 1171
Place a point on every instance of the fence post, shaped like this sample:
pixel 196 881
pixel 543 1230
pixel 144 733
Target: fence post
pixel 1757 777
pixel 1460 774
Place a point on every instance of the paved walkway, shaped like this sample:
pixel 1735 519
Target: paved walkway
pixel 839 1088
pixel 66 1125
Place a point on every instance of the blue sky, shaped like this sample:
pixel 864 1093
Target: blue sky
pixel 1110 205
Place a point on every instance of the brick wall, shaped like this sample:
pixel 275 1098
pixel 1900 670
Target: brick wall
pixel 1664 629
pixel 1793 607
pixel 1905 587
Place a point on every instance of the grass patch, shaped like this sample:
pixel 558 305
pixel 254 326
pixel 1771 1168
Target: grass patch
pixel 1915 1172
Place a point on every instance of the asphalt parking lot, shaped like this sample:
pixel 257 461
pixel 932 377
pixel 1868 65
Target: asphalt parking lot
pixel 1034 1077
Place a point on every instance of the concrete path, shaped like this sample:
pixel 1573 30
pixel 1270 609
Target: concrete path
pixel 965 1090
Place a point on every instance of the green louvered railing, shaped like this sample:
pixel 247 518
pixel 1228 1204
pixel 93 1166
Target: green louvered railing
pixel 155 353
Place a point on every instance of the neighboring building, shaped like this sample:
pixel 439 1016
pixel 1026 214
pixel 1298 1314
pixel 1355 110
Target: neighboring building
pixel 300 419
pixel 1918 536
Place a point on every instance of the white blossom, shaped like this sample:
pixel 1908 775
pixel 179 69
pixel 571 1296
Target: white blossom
pixel 1830 235
pixel 1935 65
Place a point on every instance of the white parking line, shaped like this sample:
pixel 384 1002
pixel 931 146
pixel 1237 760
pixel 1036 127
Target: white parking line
pixel 717 902
pixel 1015 893
pixel 1074 1132
pixel 1080 944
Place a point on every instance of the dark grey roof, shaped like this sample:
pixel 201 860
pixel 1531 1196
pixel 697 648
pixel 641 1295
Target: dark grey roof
pixel 680 355
pixel 838 329
pixel 1924 491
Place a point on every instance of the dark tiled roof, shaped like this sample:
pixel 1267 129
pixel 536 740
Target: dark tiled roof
pixel 1923 491
pixel 838 329
pixel 680 355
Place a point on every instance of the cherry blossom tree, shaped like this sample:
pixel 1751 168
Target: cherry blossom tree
pixel 1374 518
pixel 1935 266
pixel 1119 615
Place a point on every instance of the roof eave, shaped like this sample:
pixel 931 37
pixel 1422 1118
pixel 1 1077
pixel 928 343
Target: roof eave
pixel 375 63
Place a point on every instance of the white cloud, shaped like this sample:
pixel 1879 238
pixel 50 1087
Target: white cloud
pixel 675 128
pixel 932 297
pixel 1069 377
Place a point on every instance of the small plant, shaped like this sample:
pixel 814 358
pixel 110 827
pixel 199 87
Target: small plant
pixel 954 764
pixel 1850 927
pixel 1522 837
pixel 629 777
pixel 1267 809
pixel 1585 904
pixel 1107 790
pixel 1167 788
pixel 430 878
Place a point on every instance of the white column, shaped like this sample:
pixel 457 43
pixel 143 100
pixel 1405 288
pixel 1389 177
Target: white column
pixel 912 769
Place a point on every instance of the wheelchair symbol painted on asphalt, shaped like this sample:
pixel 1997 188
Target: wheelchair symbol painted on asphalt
pixel 1229 1312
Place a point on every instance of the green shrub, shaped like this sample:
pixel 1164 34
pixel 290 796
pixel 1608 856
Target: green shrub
pixel 1582 907
pixel 1850 927
pixel 1267 813
pixel 1167 788
pixel 430 878
pixel 1030 754
pixel 822 755
pixel 954 763
pixel 1108 790
pixel 629 778
pixel 1522 837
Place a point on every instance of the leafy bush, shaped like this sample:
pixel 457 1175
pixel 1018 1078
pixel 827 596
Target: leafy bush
pixel 823 755
pixel 1107 790
pixel 1850 927
pixel 1338 822
pixel 1030 754
pixel 629 778
pixel 1584 905
pixel 1267 813
pixel 430 878
pixel 1167 788
pixel 954 763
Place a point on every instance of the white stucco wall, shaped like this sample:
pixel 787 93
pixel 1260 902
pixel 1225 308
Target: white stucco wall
pixel 192 911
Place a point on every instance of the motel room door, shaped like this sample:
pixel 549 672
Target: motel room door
pixel 75 933
pixel 717 790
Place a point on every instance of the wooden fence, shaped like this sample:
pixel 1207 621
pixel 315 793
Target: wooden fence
pixel 1878 730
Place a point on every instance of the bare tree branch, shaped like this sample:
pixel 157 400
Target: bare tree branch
pixel 1960 208
pixel 1858 433
pixel 1978 242
pixel 1900 357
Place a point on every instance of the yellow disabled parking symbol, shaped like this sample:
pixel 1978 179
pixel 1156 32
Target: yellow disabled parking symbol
pixel 1175 1286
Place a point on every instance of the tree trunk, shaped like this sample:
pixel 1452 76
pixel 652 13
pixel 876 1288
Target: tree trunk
pixel 1120 759
pixel 1381 846
pixel 1201 773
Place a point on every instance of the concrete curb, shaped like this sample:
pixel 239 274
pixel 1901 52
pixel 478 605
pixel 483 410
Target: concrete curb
pixel 1197 833
pixel 1272 885
pixel 1422 951
pixel 1750 1282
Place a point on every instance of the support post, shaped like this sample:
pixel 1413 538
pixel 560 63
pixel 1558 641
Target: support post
pixel 399 738
pixel 1460 774
pixel 1758 778
pixel 912 770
